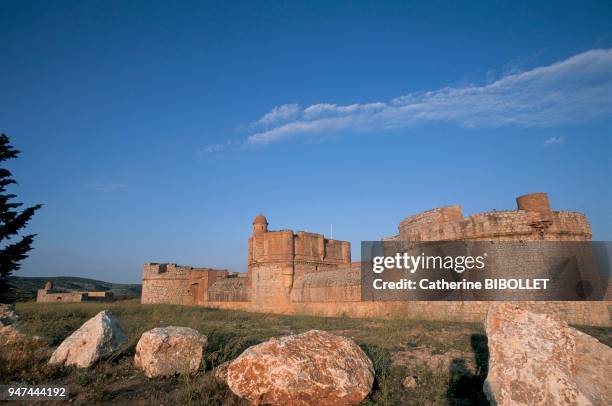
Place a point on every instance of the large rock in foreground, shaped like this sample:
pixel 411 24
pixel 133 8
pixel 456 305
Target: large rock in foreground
pixel 313 368
pixel 166 351
pixel 535 359
pixel 97 337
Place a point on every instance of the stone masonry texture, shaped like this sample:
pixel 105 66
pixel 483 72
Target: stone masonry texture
pixel 307 273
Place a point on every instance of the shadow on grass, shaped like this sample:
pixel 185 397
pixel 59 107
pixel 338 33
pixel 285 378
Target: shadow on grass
pixel 223 347
pixel 381 359
pixel 465 387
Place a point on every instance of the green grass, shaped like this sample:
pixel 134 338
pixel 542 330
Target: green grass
pixel 115 379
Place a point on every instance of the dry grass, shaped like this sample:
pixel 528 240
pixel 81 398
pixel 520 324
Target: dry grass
pixel 454 380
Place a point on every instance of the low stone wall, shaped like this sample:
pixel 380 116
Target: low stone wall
pixel 53 296
pixel 44 296
pixel 579 313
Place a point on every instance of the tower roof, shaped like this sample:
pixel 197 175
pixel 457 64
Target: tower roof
pixel 260 218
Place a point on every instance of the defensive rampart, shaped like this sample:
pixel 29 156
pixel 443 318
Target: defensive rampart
pixel 178 284
pixel 306 273
pixel 533 220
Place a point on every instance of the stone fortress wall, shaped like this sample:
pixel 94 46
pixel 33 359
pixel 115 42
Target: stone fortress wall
pixel 306 273
pixel 50 295
pixel 278 259
pixel 533 220
pixel 185 285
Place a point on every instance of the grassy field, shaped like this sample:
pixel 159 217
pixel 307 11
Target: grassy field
pixel 449 359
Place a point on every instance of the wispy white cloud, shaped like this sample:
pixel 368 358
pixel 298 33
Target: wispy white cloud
pixel 280 113
pixel 216 149
pixel 211 149
pixel 576 89
pixel 554 141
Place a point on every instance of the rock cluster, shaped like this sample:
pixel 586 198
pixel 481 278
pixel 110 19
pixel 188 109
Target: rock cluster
pixel 535 359
pixel 97 337
pixel 166 351
pixel 8 325
pixel 313 368
pixel 162 351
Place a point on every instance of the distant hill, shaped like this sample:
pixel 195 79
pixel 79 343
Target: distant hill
pixel 26 287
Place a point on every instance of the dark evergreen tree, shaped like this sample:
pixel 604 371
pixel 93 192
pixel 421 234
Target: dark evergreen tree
pixel 11 221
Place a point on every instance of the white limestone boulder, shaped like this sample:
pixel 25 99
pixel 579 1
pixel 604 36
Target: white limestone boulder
pixel 313 368
pixel 97 337
pixel 536 359
pixel 166 351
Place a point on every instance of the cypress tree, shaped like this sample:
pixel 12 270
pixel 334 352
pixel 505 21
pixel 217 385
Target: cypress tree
pixel 13 249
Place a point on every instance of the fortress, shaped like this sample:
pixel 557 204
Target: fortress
pixel 307 273
pixel 533 220
pixel 50 295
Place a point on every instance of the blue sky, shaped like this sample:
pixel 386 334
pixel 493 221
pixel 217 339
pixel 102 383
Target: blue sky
pixel 157 131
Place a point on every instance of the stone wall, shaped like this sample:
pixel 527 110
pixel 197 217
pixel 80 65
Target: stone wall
pixel 278 259
pixel 579 313
pixel 338 293
pixel 50 296
pixel 164 283
pixel 533 221
pixel 306 273
pixel 56 296
pixel 177 284
pixel 338 285
pixel 229 290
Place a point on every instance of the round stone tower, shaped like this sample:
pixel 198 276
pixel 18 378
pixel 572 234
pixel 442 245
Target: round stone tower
pixel 260 225
pixel 536 203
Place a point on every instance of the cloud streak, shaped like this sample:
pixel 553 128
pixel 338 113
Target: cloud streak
pixel 554 141
pixel 573 90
